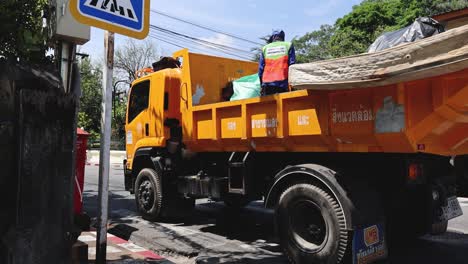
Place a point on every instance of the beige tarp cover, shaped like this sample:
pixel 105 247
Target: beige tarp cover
pixel 440 54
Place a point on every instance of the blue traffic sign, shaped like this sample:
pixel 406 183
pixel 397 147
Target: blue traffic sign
pixel 126 17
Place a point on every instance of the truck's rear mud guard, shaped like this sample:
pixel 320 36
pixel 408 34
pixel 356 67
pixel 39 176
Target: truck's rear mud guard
pixel 362 206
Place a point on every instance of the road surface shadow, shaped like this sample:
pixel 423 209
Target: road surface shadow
pixel 117 202
pixel 254 226
pixel 451 247
pixel 241 225
pixel 242 259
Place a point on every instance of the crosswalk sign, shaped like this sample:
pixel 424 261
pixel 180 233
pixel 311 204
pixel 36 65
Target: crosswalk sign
pixel 126 17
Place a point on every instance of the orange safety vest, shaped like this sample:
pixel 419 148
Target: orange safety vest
pixel 276 57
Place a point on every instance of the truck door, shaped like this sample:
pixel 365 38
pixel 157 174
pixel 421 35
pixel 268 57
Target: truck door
pixel 137 125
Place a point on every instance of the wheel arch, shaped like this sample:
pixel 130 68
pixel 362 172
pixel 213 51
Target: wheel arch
pixel 312 173
pixel 144 159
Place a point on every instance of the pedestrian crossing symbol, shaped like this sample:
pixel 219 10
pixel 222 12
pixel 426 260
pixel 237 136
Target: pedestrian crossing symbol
pixel 126 17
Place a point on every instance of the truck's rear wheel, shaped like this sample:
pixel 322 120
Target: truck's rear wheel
pixel 311 225
pixel 148 194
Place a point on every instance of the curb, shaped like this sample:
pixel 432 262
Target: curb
pixel 118 246
pixel 145 253
pixel 113 165
pixel 115 157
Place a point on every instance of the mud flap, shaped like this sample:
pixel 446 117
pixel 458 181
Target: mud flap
pixel 369 244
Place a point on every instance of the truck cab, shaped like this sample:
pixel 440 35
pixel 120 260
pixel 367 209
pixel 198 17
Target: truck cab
pixel 152 104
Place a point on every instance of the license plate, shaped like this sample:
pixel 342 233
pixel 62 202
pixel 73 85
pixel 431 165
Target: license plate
pixel 452 209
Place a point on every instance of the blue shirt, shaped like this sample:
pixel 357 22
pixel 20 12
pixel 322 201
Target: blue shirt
pixel 261 68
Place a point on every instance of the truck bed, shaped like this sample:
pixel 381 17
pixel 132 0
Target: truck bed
pixel 424 115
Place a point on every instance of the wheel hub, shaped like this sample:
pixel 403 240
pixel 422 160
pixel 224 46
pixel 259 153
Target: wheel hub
pixel 308 227
pixel 146 194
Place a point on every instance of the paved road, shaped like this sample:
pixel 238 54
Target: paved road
pixel 216 235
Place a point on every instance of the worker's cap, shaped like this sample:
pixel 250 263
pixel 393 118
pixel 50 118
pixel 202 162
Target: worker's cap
pixel 277 35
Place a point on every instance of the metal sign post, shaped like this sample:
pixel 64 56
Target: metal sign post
pixel 129 18
pixel 104 155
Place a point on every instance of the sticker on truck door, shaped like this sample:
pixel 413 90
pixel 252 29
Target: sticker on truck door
pixel 129 138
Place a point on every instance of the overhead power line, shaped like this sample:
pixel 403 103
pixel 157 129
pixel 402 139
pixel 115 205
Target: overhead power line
pixel 199 39
pixel 166 41
pixel 173 42
pixel 182 40
pixel 205 27
pixel 182 43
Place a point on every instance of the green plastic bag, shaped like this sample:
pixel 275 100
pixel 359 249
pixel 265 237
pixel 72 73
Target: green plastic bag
pixel 246 87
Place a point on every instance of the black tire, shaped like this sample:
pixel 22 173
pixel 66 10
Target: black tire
pixel 148 194
pixel 154 203
pixel 311 225
pixel 439 228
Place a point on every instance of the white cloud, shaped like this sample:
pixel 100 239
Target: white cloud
pixel 220 39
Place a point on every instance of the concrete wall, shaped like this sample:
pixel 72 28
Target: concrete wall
pixel 36 153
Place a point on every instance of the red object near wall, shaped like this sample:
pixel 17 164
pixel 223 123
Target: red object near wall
pixel 81 144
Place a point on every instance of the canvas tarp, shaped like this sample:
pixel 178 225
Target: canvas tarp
pixel 440 54
pixel 422 28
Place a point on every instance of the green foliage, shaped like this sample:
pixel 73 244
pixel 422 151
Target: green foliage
pixel 314 45
pixel 118 121
pixel 435 7
pixel 89 116
pixel 355 32
pixel 358 29
pixel 21 34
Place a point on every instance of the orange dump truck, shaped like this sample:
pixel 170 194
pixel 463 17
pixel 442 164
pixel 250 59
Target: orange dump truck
pixel 344 169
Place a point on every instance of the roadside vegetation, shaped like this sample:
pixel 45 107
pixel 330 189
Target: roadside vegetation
pixel 355 32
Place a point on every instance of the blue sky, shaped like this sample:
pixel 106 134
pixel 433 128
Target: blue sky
pixel 249 19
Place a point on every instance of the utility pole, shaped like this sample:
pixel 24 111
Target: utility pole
pixel 104 155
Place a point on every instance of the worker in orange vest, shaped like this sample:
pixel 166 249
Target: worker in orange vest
pixel 274 64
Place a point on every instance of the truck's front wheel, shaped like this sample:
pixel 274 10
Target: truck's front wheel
pixel 148 194
pixel 154 203
pixel 311 225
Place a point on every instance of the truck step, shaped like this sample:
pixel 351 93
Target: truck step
pixel 237 172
